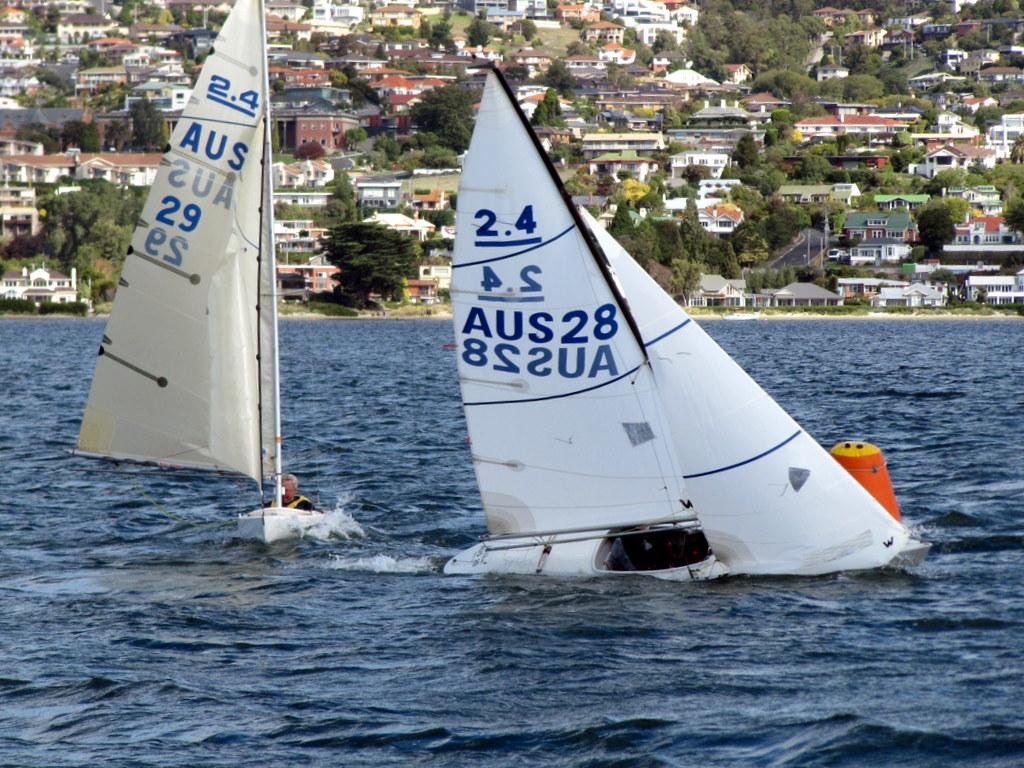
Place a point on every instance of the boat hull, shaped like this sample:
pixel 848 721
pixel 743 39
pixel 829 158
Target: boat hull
pixel 276 523
pixel 585 559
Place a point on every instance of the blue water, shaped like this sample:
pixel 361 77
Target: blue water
pixel 135 631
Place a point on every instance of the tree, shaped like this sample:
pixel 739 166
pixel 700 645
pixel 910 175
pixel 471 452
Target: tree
pixel 148 129
pixel 745 154
pixel 622 222
pixel 342 204
pixel 527 29
pixel 354 136
pixel 441 34
pixel 549 111
pixel 478 32
pixel 96 222
pixel 560 78
pixel 1015 216
pixel 935 225
pixel 685 278
pixel 84 136
pixel 311 150
pixel 116 134
pixel 372 259
pixel 448 113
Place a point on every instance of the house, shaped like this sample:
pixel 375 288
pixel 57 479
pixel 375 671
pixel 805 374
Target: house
pixel 865 287
pixel 879 250
pixel 604 32
pixel 1002 136
pixel 421 291
pixel 95 79
pixel 985 230
pixel 720 219
pixel 166 97
pixel 378 193
pixel 19 215
pixel 717 291
pixel 819 193
pixel 81 27
pixel 996 75
pixel 831 72
pixel 873 129
pixel 441 274
pixel 41 285
pixel 418 228
pixel 714 162
pixel 984 198
pixel 302 198
pixel 595 144
pixel 996 289
pixel 916 295
pixel 869 38
pixel 892 202
pixel 613 53
pixel 125 169
pixel 737 73
pixel 297 236
pixel 315 174
pixel 535 62
pixel 804 295
pixel 896 225
pixel 628 162
pixel 950 156
pixel 582 12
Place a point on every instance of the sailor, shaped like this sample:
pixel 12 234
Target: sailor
pixel 290 496
pixel 617 559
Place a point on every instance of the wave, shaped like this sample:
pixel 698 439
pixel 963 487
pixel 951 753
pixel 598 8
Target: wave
pixel 383 564
pixel 336 524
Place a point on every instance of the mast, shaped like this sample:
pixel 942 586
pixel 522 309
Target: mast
pixel 268 255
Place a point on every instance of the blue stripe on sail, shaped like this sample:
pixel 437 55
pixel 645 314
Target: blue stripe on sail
pixel 556 397
pixel 669 332
pixel 517 253
pixel 747 461
pixel 511 299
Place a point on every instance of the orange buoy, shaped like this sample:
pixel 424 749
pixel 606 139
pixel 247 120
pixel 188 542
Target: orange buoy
pixel 867 465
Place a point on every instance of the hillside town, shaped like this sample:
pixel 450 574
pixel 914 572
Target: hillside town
pixel 748 157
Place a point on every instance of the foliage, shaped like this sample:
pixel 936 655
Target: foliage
pixel 745 155
pixel 148 128
pixel 311 150
pixel 85 136
pixel 331 310
pixel 479 31
pixel 354 136
pixel 48 137
pixel 17 307
pixel 549 111
pixel 935 225
pixel 373 260
pixel 342 203
pixel 95 223
pixel 448 113
pixel 69 308
pixel 560 78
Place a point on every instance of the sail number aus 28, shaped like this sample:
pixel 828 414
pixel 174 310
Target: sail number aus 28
pixel 570 344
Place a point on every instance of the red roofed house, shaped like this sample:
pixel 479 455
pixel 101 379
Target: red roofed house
pixel 720 219
pixel 604 32
pixel 577 12
pixel 985 230
pixel 613 53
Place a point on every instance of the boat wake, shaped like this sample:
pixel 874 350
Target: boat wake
pixel 383 564
pixel 336 524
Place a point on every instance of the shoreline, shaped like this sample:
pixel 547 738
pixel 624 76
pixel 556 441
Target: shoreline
pixel 698 316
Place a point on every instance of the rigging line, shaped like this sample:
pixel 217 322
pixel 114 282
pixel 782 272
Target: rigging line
pixel 554 397
pixel 670 495
pixel 746 461
pixel 517 253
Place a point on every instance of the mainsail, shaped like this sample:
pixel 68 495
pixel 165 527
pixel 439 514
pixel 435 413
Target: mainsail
pixel 770 499
pixel 566 427
pixel 178 378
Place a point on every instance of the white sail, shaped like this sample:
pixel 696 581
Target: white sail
pixel 566 428
pixel 770 499
pixel 177 379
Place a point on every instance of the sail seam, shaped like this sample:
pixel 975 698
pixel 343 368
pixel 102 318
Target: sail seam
pixel 746 461
pixel 517 253
pixel 669 332
pixel 555 397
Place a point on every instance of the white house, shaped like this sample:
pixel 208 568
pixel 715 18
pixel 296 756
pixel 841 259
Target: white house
pixel 41 285
pixel 996 289
pixel 879 250
pixel 418 228
pixel 315 174
pixel 714 162
pixel 720 219
pixel 916 295
pixel 952 156
pixel 378 193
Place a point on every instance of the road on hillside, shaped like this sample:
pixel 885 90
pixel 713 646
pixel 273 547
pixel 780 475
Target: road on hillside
pixel 809 247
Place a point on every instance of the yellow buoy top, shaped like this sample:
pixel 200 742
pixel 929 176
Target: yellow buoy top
pixel 855 449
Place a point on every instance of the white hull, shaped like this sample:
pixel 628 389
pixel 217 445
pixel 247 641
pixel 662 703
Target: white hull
pixel 568 559
pixel 276 523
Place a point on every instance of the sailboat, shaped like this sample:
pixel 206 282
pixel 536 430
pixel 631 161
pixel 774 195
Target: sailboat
pixel 187 373
pixel 609 433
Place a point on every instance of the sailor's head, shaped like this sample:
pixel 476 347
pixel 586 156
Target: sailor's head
pixel 289 485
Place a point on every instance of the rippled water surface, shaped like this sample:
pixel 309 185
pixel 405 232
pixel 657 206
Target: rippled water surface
pixel 134 630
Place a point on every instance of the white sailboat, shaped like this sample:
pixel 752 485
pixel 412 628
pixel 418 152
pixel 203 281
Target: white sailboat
pixel 609 433
pixel 187 373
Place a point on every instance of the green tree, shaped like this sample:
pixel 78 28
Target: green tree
pixel 935 225
pixel 447 113
pixel 745 154
pixel 48 137
pixel 560 78
pixel 96 222
pixel 76 133
pixel 354 136
pixel 549 111
pixel 1014 216
pixel 116 134
pixel 441 34
pixel 622 223
pixel 685 278
pixel 342 203
pixel 527 29
pixel 148 128
pixel 372 259
pixel 478 32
